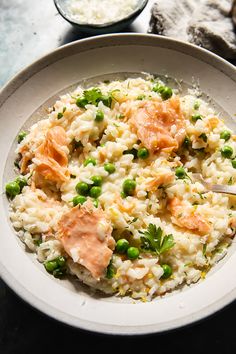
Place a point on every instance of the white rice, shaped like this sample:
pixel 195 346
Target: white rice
pixel 100 11
pixel 35 219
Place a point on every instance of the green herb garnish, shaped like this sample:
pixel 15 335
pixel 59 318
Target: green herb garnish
pixel 154 241
pixel 203 136
pixel 110 270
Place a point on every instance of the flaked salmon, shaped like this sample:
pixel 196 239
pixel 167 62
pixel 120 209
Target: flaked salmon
pixel 85 234
pixel 160 179
pixel 154 121
pixel 187 217
pixel 52 160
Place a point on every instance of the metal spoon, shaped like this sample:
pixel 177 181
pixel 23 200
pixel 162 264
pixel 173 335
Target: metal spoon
pixel 217 188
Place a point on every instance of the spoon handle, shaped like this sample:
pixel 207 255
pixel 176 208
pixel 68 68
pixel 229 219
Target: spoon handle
pixel 218 188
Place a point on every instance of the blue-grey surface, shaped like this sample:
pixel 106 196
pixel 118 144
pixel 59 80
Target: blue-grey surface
pixel 29 29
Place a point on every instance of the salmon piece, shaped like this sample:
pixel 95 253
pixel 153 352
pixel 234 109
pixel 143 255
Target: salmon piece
pixel 52 158
pixel 153 121
pixel 185 216
pixel 26 157
pixel 85 234
pixel 159 180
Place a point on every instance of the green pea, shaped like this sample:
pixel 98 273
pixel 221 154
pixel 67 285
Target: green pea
pixel 90 160
pixel 129 186
pixel 180 172
pixel 122 245
pixel 12 189
pixel 61 261
pixel 95 192
pixel 50 266
pixel 21 136
pixel 95 203
pixel 166 93
pixel 167 271
pixel 99 116
pixel 225 135
pixel 133 252
pixel 143 153
pixel 109 167
pixel 81 102
pixel 233 163
pixel 196 117
pixel 82 188
pixel 22 181
pixel 97 180
pixel 227 151
pixel 79 199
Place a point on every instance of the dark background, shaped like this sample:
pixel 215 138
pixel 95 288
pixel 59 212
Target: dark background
pixel 28 30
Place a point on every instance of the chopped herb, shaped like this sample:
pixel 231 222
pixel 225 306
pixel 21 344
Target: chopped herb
pixel 120 116
pixel 131 152
pixel 76 144
pixel 200 195
pixel 72 176
pixel 203 136
pixel 141 97
pixel 230 181
pixel 134 220
pixel 16 164
pixel 186 142
pixel 196 105
pixel 106 81
pixel 38 242
pixel 204 247
pixel 110 271
pixel 59 115
pixel 64 109
pixel 154 241
pixel 196 117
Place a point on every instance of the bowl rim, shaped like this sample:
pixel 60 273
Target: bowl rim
pixel 83 46
pixel 106 25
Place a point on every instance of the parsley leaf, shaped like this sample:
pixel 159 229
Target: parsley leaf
pixel 93 96
pixel 154 241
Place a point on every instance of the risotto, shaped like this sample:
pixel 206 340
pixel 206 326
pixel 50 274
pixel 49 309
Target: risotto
pixel 106 188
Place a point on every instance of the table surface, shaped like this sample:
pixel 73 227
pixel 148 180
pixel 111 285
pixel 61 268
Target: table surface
pixel 28 30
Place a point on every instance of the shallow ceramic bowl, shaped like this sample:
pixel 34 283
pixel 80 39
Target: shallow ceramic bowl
pixel 115 26
pixel 23 101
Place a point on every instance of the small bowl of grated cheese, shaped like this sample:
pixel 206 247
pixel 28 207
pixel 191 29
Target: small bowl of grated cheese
pixel 100 16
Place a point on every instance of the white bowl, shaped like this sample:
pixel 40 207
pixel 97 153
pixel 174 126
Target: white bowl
pixel 31 89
